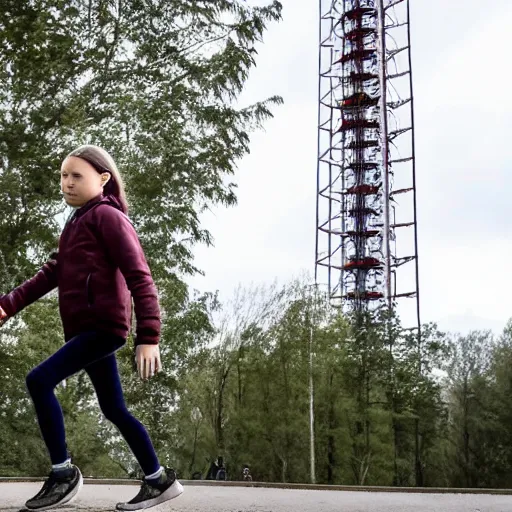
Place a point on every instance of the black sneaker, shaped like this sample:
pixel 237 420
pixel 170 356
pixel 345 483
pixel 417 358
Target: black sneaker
pixel 57 490
pixel 150 495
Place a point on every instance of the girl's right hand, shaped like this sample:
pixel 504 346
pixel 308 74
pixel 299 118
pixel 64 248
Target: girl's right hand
pixel 3 316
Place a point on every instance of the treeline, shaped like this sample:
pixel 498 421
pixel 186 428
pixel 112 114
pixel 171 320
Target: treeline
pixel 389 409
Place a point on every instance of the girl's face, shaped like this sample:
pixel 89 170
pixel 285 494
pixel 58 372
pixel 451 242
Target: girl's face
pixel 80 182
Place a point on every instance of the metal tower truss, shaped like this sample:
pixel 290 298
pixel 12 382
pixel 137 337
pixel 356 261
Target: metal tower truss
pixel 366 244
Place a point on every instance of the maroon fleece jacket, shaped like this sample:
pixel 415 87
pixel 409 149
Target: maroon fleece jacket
pixel 100 261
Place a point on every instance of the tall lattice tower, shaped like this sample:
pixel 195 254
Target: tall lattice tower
pixel 366 244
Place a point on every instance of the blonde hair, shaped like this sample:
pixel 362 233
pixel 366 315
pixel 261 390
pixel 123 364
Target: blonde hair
pixel 103 162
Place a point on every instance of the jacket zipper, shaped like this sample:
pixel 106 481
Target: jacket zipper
pixel 90 298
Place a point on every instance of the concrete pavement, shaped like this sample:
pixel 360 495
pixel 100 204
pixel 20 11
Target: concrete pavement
pixel 229 498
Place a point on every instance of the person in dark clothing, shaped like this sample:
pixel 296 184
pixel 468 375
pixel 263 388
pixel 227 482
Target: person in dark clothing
pixel 212 471
pixel 221 472
pixel 217 470
pixel 99 267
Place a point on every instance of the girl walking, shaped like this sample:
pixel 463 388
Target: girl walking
pixel 99 265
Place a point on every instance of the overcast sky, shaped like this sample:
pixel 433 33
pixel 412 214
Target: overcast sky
pixel 461 65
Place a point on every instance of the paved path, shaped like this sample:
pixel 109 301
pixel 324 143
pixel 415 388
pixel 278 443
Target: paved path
pixel 200 498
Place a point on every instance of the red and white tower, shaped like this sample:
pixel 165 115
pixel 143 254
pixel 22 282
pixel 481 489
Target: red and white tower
pixel 366 244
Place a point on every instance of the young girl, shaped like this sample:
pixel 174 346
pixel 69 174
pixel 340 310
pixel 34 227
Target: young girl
pixel 100 263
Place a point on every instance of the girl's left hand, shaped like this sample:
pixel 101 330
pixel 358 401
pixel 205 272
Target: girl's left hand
pixel 148 360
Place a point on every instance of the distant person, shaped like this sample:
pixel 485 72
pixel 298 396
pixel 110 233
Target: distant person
pixel 221 472
pixel 246 474
pixel 100 262
pixel 212 471
pixel 217 470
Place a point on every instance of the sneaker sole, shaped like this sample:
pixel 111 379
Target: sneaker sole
pixel 173 492
pixel 66 500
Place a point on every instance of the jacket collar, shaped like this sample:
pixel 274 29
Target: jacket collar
pixel 109 199
pixel 87 206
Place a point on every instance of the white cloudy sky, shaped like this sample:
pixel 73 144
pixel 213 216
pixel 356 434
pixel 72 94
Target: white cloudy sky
pixel 464 158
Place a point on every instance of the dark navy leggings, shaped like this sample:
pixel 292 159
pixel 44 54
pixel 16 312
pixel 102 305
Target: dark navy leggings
pixel 93 352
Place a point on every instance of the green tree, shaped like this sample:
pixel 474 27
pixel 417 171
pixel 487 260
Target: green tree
pixel 468 374
pixel 495 410
pixel 157 85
